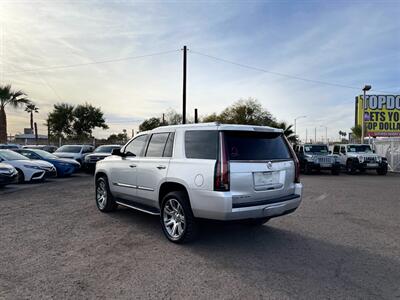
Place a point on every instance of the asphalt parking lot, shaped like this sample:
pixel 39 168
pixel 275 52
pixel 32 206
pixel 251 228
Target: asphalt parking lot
pixel 343 242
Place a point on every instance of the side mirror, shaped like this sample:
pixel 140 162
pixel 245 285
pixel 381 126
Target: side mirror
pixel 373 151
pixel 116 152
pixel 330 152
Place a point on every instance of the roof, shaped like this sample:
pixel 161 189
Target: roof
pixel 218 126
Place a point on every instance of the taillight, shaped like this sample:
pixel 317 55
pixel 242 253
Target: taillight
pixel 221 176
pixel 296 162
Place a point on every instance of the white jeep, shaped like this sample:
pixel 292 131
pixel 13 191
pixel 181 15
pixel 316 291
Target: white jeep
pixel 360 157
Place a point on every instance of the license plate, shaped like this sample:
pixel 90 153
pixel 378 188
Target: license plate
pixel 325 165
pixel 372 165
pixel 265 178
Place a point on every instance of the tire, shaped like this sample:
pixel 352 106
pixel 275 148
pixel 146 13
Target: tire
pixel 307 169
pixel 335 171
pixel 350 168
pixel 21 176
pixel 256 222
pixel 176 217
pixel 382 171
pixel 104 199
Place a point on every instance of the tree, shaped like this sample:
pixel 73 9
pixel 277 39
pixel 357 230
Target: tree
pixel 31 108
pixel 248 112
pixel 357 131
pixel 287 131
pixel 77 122
pixel 60 120
pixel 117 138
pixel 14 99
pixel 150 124
pixel 87 118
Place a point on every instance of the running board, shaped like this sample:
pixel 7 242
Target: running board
pixel 140 207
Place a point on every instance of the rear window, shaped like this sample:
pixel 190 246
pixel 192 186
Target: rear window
pixel 201 144
pixel 243 145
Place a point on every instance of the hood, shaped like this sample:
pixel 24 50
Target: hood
pixel 365 154
pixel 42 163
pixel 67 160
pixel 66 154
pixel 98 154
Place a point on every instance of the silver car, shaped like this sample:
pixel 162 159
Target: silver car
pixel 210 171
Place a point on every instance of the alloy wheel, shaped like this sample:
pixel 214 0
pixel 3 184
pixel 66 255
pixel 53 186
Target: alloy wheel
pixel 101 194
pixel 174 219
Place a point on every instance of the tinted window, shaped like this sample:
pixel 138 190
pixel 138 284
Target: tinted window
pixel 336 149
pixel 316 149
pixel 359 148
pixel 69 149
pixel 242 145
pixel 157 145
pixel 106 149
pixel 169 146
pixel 29 154
pixel 201 144
pixel 136 146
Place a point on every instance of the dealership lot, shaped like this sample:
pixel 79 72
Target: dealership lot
pixel 343 242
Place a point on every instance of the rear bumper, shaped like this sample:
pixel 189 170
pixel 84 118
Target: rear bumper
pixel 219 206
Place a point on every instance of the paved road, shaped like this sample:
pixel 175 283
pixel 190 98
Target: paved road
pixel 344 242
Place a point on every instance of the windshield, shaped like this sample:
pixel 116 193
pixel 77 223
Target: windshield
pixel 11 155
pixel 44 154
pixel 69 149
pixel 359 148
pixel 106 149
pixel 316 149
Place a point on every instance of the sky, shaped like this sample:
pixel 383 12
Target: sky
pixel 349 43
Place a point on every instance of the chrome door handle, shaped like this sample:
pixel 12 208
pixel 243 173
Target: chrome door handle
pixel 161 167
pixel 132 166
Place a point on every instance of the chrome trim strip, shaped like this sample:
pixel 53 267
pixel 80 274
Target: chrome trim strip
pixel 125 185
pixel 145 188
pixel 137 208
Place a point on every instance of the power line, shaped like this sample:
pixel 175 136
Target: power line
pixel 91 63
pixel 282 74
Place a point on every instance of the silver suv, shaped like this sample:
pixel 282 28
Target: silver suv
pixel 210 171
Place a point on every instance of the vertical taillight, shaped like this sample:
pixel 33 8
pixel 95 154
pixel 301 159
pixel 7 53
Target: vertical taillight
pixel 221 175
pixel 296 162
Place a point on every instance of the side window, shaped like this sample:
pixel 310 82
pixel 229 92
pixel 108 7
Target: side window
pixel 201 144
pixel 301 149
pixel 157 144
pixel 29 155
pixel 336 149
pixel 169 146
pixel 343 150
pixel 136 146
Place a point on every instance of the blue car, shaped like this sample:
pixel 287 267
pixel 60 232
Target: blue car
pixel 65 167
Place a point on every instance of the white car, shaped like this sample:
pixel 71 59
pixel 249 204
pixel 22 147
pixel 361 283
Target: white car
pixel 202 171
pixel 28 170
pixel 77 152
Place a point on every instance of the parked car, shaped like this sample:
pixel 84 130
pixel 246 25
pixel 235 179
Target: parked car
pixel 48 148
pixel 77 152
pixel 317 157
pixel 8 174
pixel 99 153
pixel 360 157
pixel 10 146
pixel 28 170
pixel 209 171
pixel 64 166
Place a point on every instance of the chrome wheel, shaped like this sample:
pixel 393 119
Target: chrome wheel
pixel 174 219
pixel 101 194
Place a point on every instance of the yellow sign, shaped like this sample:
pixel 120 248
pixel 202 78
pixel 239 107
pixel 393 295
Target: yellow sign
pixel 381 114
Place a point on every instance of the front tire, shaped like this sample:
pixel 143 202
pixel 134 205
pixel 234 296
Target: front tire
pixel 382 170
pixel 177 220
pixel 351 169
pixel 104 199
pixel 21 176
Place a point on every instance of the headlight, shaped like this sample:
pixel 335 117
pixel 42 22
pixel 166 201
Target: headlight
pixel 32 167
pixel 379 159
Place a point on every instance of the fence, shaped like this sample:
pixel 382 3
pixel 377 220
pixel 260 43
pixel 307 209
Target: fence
pixel 389 148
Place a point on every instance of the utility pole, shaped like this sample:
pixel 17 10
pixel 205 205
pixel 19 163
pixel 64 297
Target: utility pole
pixel 196 120
pixel 315 135
pixel 36 133
pixel 163 119
pixel 306 135
pixel 184 85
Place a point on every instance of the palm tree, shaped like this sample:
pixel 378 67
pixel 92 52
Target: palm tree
pixel 288 131
pixel 30 108
pixel 12 98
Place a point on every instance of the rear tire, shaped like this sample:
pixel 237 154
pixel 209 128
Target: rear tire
pixel 104 199
pixel 177 220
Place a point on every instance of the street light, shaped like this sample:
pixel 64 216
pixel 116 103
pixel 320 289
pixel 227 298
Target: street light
pixel 295 126
pixel 326 133
pixel 366 88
